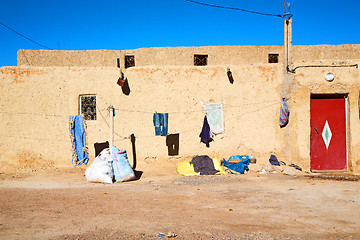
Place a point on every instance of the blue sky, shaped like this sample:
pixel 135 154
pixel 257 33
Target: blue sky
pixel 130 24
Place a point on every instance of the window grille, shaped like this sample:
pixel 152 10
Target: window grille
pixel 273 58
pixel 200 60
pixel 129 61
pixel 88 107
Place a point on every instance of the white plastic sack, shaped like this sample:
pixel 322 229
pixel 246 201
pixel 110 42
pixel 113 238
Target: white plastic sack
pixel 100 170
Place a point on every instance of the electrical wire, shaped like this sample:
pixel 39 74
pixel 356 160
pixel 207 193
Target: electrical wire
pixel 24 36
pixel 239 9
pixel 325 66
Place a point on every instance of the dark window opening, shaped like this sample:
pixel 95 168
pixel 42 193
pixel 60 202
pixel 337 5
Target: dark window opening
pixel 129 61
pixel 273 58
pixel 200 60
pixel 88 107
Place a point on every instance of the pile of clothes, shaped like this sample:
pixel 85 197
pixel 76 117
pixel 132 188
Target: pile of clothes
pixel 204 165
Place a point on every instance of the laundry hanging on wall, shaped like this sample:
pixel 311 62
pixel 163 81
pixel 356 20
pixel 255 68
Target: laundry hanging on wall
pixel 229 74
pixel 78 140
pixel 122 79
pixel 215 117
pixel 160 121
pixel 172 142
pixel 206 135
pixel 284 113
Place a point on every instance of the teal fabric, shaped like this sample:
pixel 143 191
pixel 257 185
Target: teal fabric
pixel 215 117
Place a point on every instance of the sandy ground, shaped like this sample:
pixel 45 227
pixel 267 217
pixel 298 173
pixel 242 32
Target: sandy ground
pixel 60 204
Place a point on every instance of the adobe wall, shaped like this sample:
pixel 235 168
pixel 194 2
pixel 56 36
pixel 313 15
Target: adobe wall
pixel 183 56
pixel 309 81
pixel 167 56
pixel 38 101
pixel 39 97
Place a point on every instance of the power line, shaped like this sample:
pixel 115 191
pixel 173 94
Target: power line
pixel 25 36
pixel 239 9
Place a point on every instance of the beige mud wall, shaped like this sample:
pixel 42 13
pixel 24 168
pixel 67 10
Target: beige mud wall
pixel 38 101
pixel 309 81
pixel 38 96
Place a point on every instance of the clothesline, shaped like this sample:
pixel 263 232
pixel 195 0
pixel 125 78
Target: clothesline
pixel 201 110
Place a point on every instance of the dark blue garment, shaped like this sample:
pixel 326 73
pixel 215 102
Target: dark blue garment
pixel 274 161
pixel 77 131
pixel 204 165
pixel 205 134
pixel 241 166
pixel 160 121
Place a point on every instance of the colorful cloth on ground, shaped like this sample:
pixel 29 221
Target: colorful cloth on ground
pixel 204 165
pixel 78 140
pixel 241 166
pixel 205 135
pixel 284 113
pixel 274 161
pixel 215 117
pixel 187 169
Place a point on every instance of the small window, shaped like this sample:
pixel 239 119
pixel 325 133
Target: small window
pixel 129 61
pixel 273 58
pixel 200 60
pixel 88 106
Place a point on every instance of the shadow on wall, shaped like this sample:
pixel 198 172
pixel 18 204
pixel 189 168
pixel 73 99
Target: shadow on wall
pixel 126 88
pixel 138 174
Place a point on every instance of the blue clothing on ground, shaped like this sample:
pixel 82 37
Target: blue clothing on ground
pixel 76 127
pixel 160 121
pixel 241 166
pixel 274 161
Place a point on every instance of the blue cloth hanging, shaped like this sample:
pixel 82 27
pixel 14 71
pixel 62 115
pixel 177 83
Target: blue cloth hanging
pixel 205 135
pixel 284 113
pixel 78 139
pixel 160 121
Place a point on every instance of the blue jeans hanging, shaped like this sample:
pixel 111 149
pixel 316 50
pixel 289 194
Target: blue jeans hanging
pixel 161 124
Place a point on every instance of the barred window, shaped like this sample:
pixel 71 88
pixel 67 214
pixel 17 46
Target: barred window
pixel 88 106
pixel 129 61
pixel 200 60
pixel 273 58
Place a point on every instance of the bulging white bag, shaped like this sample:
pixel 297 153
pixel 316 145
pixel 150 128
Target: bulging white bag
pixel 100 170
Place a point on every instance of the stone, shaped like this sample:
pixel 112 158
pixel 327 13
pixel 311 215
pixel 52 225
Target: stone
pixel 255 167
pixel 269 168
pixel 288 171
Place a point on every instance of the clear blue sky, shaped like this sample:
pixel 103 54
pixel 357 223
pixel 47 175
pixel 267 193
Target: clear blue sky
pixel 130 24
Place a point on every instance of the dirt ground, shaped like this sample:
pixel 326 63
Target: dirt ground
pixel 61 204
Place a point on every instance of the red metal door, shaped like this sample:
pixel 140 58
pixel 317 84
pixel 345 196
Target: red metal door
pixel 328 134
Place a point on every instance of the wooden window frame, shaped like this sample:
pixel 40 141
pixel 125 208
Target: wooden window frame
pixel 92 107
pixel 273 58
pixel 200 59
pixel 129 61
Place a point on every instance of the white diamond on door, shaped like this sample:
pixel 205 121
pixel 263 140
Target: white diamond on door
pixel 326 134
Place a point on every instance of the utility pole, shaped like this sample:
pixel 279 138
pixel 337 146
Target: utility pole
pixel 111 114
pixel 288 75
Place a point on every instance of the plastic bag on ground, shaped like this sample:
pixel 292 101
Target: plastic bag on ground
pixel 122 169
pixel 100 170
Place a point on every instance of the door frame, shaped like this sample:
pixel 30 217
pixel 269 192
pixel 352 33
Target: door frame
pixel 347 127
